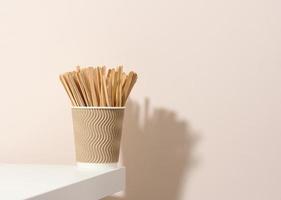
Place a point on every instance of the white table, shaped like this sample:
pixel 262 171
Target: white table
pixel 39 182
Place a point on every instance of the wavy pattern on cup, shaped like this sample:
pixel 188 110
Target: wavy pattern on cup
pixel 97 134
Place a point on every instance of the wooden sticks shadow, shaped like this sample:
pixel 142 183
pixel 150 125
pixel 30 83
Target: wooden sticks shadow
pixel 157 153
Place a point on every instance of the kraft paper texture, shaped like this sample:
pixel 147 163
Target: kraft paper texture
pixel 97 134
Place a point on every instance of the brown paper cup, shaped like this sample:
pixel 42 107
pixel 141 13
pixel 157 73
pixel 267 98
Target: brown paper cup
pixel 97 133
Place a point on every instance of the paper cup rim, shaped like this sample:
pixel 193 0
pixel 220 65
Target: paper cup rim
pixel 98 107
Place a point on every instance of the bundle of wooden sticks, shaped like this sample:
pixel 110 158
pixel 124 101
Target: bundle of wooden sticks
pixel 97 86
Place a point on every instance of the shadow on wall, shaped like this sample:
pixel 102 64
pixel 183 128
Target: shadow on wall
pixel 157 153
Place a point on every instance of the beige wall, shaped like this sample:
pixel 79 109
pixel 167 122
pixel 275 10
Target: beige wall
pixel 210 71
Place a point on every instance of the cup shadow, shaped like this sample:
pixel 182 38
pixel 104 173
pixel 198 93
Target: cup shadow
pixel 157 153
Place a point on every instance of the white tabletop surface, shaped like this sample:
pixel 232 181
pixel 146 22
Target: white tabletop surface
pixel 34 182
